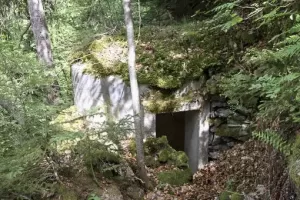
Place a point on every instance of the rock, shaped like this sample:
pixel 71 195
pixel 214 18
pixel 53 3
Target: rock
pixel 237 132
pixel 222 112
pixel 214 155
pixel 221 147
pixel 150 161
pixel 112 193
pixel 237 119
pixel 215 139
pixel 218 104
pixel 135 192
pixel 216 122
pixel 125 171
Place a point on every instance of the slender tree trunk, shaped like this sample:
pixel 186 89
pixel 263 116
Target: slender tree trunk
pixel 40 31
pixel 43 43
pixel 135 94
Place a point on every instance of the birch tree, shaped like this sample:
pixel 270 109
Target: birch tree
pixel 40 31
pixel 135 94
pixel 42 42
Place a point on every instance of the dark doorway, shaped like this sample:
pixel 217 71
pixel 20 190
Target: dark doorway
pixel 172 125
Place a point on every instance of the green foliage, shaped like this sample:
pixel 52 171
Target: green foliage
pixel 175 177
pixel 93 197
pixel 24 121
pixel 275 140
pixel 227 195
pixel 97 155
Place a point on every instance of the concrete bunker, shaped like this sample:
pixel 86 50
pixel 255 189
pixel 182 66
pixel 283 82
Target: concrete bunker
pixel 186 126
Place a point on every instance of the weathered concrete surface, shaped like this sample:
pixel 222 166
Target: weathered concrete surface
pixel 203 137
pixel 191 141
pixel 109 94
pixel 187 131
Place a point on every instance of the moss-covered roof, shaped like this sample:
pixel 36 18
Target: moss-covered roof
pixel 167 57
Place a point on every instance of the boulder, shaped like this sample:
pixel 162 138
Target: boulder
pixel 112 193
pixel 135 192
pixel 238 132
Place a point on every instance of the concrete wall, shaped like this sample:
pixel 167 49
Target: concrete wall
pixel 191 141
pixel 109 94
pixel 203 136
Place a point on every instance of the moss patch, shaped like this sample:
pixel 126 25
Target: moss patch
pixel 175 177
pixel 158 102
pixel 166 59
pixel 158 151
pixel 227 195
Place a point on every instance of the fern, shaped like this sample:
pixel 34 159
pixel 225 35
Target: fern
pixel 275 140
pixel 226 6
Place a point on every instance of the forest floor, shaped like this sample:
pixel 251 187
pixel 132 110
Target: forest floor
pixel 246 171
pixel 239 170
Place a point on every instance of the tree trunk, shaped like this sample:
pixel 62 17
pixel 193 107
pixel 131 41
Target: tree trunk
pixel 40 32
pixel 43 44
pixel 135 94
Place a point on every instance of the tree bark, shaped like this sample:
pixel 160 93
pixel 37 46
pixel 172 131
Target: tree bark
pixel 135 94
pixel 40 31
pixel 43 43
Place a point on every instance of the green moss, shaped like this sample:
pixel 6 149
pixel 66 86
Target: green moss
pixel 180 158
pixel 175 177
pixel 177 158
pixel 166 59
pixel 224 195
pixel 165 155
pixel 236 196
pixel 158 150
pixel 158 102
pixel 227 195
pixel 154 145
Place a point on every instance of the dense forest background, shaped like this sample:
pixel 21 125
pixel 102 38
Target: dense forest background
pixel 247 52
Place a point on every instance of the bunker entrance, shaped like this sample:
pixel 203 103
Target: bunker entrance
pixel 182 131
pixel 173 125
